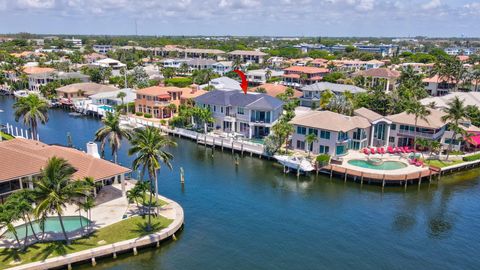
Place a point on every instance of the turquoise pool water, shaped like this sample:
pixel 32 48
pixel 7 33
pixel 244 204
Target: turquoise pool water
pixel 386 165
pixel 52 225
pixel 106 108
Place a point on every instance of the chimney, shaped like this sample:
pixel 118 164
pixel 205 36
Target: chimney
pixel 92 149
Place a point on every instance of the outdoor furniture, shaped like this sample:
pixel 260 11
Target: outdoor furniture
pixel 381 150
pixel 372 151
pixel 366 151
pixel 390 150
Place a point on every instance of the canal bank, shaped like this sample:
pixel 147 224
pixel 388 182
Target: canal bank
pixel 252 216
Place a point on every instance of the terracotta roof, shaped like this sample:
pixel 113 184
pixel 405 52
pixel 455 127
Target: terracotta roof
pixel 294 76
pixel 37 70
pixel 328 120
pixel 166 90
pixel 275 89
pixel 434 119
pixel 309 70
pixel 88 88
pixel 33 156
pixel 379 73
pixel 437 79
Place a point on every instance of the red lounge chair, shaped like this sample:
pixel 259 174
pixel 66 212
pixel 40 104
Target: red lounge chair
pixel 419 163
pixel 407 149
pixel 390 150
pixel 366 151
pixel 380 150
pixel 372 151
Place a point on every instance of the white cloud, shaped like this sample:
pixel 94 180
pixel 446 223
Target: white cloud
pixel 433 4
pixel 39 4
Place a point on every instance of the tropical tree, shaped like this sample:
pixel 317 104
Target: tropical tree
pixel 310 139
pixel 32 109
pixel 237 63
pixel 55 189
pixel 282 129
pixel 121 95
pixel 420 111
pixel 455 112
pixel 148 146
pixel 112 133
pixel 8 215
pixel 325 98
pixel 204 115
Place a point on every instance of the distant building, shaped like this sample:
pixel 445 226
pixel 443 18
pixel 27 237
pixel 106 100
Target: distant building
pixel 103 49
pixel 460 51
pixel 297 76
pixel 311 94
pixel 77 43
pixel 222 67
pixel 256 57
pixel 382 49
pixel 260 76
pixel 379 76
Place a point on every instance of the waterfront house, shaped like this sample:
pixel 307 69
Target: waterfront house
pixel 256 57
pixel 297 76
pixel 223 83
pixel 82 90
pixel 110 98
pixel 38 76
pixel 311 94
pixel 157 100
pixel 251 115
pixel 22 161
pixel 335 133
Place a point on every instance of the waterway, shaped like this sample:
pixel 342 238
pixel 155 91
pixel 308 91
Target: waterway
pixel 252 216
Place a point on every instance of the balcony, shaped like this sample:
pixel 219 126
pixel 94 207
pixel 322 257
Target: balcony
pixel 420 134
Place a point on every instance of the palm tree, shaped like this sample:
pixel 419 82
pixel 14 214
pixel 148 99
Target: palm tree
pixel 237 63
pixel 32 109
pixel 455 112
pixel 420 111
pixel 310 139
pixel 121 95
pixel 282 129
pixel 111 132
pixel 55 189
pixel 325 98
pixel 23 201
pixel 148 144
pixel 205 116
pixel 8 215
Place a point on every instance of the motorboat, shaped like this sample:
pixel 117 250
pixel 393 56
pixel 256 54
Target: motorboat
pixel 295 163
pixel 24 93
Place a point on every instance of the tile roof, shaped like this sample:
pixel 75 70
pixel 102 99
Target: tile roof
pixel 33 156
pixel 37 70
pixel 309 70
pixel 240 52
pixel 332 121
pixel 275 89
pixel 334 87
pixel 379 73
pixel 88 88
pixel 238 98
pixel 434 119
pixel 368 114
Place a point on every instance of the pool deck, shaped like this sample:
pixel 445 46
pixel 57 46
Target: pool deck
pixel 402 176
pixel 171 210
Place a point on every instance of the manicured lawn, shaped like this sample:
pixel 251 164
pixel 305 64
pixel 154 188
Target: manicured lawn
pixel 442 163
pixel 6 136
pixel 126 229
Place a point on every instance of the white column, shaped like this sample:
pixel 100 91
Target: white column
pixel 387 139
pixel 371 135
pixel 30 182
pixel 250 131
pixel 122 183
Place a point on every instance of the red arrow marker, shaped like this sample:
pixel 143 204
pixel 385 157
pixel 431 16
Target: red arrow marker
pixel 244 83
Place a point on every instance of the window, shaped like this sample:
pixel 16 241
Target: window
pixel 300 145
pixel 241 110
pixel 312 130
pixel 214 108
pixel 391 139
pixel 221 109
pixel 301 130
pixel 325 134
pixel 324 149
pixel 393 127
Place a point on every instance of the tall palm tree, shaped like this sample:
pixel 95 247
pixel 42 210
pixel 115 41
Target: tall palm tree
pixel 325 98
pixel 148 145
pixel 8 215
pixel 420 111
pixel 455 112
pixel 32 109
pixel 55 189
pixel 111 132
pixel 310 139
pixel 22 202
pixel 121 95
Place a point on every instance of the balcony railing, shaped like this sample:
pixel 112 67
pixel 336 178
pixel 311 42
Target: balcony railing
pixel 420 134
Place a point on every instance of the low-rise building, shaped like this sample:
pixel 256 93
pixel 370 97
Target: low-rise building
pixel 33 156
pixel 261 76
pixel 251 115
pixel 256 57
pixel 222 67
pixel 380 76
pixel 311 94
pixel 297 76
pixel 103 49
pixel 82 90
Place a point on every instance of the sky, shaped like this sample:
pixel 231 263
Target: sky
pixel 388 18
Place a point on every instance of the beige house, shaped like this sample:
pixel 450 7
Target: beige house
pixel 81 90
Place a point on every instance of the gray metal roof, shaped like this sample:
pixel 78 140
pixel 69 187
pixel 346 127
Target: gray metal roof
pixel 254 101
pixel 334 87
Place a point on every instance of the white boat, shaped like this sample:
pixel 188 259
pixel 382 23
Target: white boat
pixel 24 93
pixel 295 163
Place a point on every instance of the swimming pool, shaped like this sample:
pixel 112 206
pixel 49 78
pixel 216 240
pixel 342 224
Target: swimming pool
pixel 52 225
pixel 386 165
pixel 106 108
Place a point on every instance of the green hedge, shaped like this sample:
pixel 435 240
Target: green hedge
pixel 178 82
pixel 472 157
pixel 138 113
pixel 147 115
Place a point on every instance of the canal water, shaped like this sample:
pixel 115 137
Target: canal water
pixel 252 216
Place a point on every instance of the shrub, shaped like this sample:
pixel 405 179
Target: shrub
pixel 472 157
pixel 147 115
pixel 179 81
pixel 323 159
pixel 163 122
pixel 139 114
